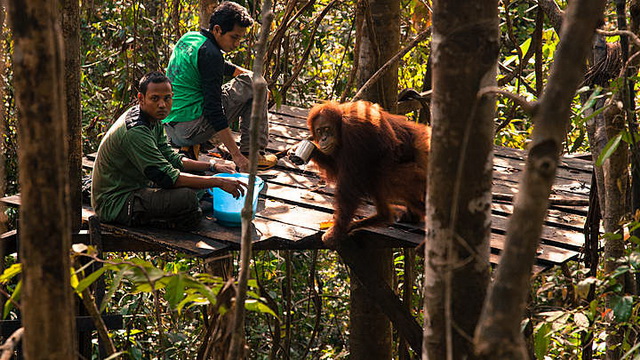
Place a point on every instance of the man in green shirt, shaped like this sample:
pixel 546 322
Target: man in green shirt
pixel 202 105
pixel 138 178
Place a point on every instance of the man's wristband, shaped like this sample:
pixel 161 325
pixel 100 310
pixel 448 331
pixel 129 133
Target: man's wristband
pixel 212 166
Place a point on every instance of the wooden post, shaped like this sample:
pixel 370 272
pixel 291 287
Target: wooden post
pixel 378 295
pixel 378 41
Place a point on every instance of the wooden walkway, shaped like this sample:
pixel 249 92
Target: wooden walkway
pixel 295 203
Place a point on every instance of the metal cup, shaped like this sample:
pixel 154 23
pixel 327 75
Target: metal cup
pixel 303 152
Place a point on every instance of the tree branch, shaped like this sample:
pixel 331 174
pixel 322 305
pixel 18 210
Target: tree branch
pixel 258 115
pixel 9 346
pixel 498 332
pixel 378 74
pixel 632 36
pixel 307 50
pixel 553 12
pixel 527 106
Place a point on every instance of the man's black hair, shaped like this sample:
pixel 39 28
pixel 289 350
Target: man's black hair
pixel 228 14
pixel 155 77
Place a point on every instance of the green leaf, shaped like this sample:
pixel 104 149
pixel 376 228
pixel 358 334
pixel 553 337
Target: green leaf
pixel 541 340
pixel 255 305
pixel 175 290
pixel 205 291
pixel 609 149
pixel 634 260
pixel 631 352
pixel 591 100
pixel 622 306
pixel 116 355
pixel 253 283
pixel 117 279
pixel 195 299
pixel 84 283
pixel 8 305
pixel 10 272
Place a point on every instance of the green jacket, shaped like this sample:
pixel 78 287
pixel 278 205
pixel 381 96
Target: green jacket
pixel 134 154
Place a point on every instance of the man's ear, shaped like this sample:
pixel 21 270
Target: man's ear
pixel 216 29
pixel 140 96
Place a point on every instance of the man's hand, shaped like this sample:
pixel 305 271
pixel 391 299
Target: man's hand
pixel 223 166
pixel 234 187
pixel 242 162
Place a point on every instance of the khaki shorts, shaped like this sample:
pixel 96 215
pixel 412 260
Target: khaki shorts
pixel 237 102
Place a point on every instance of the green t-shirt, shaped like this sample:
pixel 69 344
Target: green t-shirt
pixel 134 154
pixel 188 100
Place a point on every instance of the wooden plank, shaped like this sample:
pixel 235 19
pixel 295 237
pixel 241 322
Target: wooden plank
pixel 9 242
pixel 287 132
pixel 548 254
pixel 494 259
pixel 87 163
pixel 11 201
pixel 391 235
pixel 551 252
pixel 555 218
pixel 8 236
pixel 292 111
pixel 185 242
pixel 276 118
pixel 263 230
pixel 550 235
pixel 306 191
pixel 512 170
pixel 569 162
pixel 571 186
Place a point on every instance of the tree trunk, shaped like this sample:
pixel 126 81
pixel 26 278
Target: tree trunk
pixel 370 333
pixel 206 9
pixel 465 53
pixel 3 145
pixel 498 333
pixel 238 341
pixel 45 237
pixel 379 42
pixel 370 329
pixel 71 35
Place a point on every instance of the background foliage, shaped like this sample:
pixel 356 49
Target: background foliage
pixel 308 291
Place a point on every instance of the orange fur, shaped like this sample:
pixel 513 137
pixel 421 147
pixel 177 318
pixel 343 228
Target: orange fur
pixel 380 155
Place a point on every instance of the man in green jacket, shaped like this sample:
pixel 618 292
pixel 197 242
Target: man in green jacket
pixel 138 178
pixel 202 105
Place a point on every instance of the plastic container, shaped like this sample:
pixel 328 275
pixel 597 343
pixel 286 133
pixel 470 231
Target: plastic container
pixel 226 209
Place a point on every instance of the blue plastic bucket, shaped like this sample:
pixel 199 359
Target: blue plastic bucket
pixel 226 209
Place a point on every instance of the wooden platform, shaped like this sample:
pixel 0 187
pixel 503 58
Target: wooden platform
pixel 295 202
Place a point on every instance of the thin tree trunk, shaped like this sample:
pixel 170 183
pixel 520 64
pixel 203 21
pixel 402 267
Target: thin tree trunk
pixel 596 124
pixel 236 349
pixel 206 9
pixel 498 334
pixel 616 183
pixel 370 330
pixel 71 35
pixel 3 145
pixel 554 14
pixel 45 236
pixel 465 54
